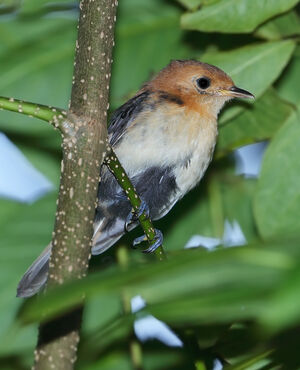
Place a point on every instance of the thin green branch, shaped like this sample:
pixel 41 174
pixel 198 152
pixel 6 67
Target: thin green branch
pixel 116 168
pixel 46 113
pixel 56 117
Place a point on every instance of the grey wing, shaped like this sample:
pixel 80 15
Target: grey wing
pixel 35 277
pixel 111 213
pixel 156 186
pixel 125 115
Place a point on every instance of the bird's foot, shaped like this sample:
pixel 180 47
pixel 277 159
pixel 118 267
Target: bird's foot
pixel 134 215
pixel 158 239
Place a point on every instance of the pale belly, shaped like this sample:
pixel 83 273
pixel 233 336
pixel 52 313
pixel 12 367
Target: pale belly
pixel 182 142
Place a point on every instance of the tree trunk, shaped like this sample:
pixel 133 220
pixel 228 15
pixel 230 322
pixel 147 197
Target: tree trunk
pixel 84 144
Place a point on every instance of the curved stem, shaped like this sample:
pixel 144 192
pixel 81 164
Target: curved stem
pixel 111 160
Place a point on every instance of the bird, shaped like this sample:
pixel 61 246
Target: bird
pixel 164 137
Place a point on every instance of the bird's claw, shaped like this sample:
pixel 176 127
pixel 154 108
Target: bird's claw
pixel 134 215
pixel 158 239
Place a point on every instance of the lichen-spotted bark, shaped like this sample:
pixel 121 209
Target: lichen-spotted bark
pixel 84 138
pixel 92 70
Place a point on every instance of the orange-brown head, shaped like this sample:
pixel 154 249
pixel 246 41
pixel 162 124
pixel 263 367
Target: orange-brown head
pixel 200 86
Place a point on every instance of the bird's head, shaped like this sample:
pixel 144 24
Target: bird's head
pixel 200 86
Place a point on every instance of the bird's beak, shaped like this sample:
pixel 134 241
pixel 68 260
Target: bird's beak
pixel 236 92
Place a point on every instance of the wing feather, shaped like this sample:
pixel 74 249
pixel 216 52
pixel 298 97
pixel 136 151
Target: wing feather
pixel 125 115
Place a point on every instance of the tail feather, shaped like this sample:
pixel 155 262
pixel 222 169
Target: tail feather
pixel 105 237
pixel 35 277
pixel 106 234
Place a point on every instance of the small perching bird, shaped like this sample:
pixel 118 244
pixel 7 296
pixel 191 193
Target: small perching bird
pixel 164 138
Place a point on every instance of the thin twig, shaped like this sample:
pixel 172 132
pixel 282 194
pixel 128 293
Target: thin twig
pixel 52 115
pixel 111 160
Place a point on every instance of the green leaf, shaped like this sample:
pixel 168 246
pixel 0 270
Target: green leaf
pixel 258 122
pixel 189 217
pixel 235 16
pixel 287 300
pixel 194 4
pixel 32 6
pixel 191 4
pixel 38 54
pixel 111 361
pixel 25 230
pixel 253 67
pixel 221 195
pixel 142 26
pixel 165 358
pixel 255 362
pixel 285 25
pixel 288 86
pixel 190 289
pixel 276 203
pixel 46 69
pixel 192 272
pixel 112 331
pixel 237 197
pixel 111 307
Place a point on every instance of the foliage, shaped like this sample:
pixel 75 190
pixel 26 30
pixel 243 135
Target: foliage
pixel 237 304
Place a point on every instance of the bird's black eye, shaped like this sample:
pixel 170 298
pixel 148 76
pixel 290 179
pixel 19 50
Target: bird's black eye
pixel 203 82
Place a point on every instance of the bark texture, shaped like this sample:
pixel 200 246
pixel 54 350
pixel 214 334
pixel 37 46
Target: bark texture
pixel 84 145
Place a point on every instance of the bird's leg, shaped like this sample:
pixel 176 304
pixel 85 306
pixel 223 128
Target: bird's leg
pixel 135 214
pixel 158 239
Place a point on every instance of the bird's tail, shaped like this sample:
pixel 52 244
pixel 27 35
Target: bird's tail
pixel 36 276
pixel 105 235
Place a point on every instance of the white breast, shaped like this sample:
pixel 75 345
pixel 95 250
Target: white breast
pixel 201 148
pixel 177 139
